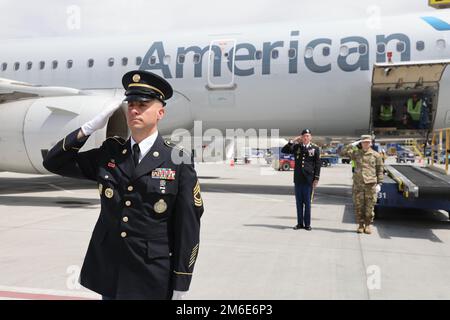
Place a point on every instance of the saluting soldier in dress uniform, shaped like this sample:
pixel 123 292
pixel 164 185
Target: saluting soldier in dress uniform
pixel 146 240
pixel 367 180
pixel 306 175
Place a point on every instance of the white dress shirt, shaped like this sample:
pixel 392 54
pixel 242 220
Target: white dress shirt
pixel 145 145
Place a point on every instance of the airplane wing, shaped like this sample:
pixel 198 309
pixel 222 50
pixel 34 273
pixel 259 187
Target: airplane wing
pixel 11 90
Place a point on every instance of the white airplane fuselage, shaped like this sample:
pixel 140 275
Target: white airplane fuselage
pixel 284 76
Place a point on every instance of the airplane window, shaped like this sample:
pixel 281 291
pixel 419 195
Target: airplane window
pixel 196 58
pixel 275 54
pixel 54 64
pixel 16 66
pixel 401 46
pixel 381 48
pixel 420 45
pixel 41 65
pixel 326 51
pixel 309 52
pixel 167 59
pixel 124 61
pixel 110 62
pixel 4 66
pixel 362 49
pixel 90 63
pixel 138 61
pixel 441 44
pixel 181 59
pixel 69 64
pixel 152 60
pixel 29 65
pixel 258 55
pixel 292 53
pixel 344 51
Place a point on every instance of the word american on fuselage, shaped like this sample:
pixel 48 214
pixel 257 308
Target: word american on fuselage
pixel 248 52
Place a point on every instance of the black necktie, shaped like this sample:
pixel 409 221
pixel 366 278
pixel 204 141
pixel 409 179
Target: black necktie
pixel 136 152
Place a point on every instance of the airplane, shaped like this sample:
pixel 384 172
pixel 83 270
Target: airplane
pixel 328 77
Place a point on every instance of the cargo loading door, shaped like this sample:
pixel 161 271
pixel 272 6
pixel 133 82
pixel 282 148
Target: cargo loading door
pixel 404 99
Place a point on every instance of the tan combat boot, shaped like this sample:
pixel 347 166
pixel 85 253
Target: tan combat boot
pixel 360 228
pixel 367 229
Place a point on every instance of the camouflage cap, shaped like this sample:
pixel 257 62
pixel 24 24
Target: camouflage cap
pixel 366 138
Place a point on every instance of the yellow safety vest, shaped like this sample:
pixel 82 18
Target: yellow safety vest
pixel 414 110
pixel 386 113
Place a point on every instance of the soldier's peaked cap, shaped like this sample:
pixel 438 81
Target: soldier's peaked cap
pixel 144 86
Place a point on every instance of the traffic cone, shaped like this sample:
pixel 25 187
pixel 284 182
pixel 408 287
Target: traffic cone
pixel 232 163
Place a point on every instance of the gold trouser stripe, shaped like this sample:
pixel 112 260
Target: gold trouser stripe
pixel 182 273
pixel 147 86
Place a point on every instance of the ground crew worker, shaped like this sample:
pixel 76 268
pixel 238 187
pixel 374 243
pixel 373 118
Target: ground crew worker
pixel 306 175
pixel 414 109
pixel 146 240
pixel 367 181
pixel 386 112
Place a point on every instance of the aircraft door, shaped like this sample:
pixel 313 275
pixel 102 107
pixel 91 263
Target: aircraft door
pixel 221 64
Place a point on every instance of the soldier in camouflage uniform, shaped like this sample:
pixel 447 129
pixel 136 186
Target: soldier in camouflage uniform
pixel 367 180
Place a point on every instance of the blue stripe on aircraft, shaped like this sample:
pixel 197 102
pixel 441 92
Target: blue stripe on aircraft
pixel 437 23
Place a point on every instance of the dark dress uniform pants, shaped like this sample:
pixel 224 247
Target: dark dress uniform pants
pixel 303 192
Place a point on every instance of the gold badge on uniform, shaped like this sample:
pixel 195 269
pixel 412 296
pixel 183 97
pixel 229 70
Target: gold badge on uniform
pixel 160 206
pixel 100 189
pixel 198 202
pixel 109 193
pixel 136 78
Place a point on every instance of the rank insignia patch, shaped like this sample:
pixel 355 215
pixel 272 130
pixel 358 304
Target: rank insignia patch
pixel 198 201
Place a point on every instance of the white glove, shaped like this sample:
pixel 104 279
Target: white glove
pixel 354 144
pixel 101 119
pixel 378 188
pixel 178 295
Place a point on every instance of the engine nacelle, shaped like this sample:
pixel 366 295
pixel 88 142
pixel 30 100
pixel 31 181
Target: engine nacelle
pixel 28 128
